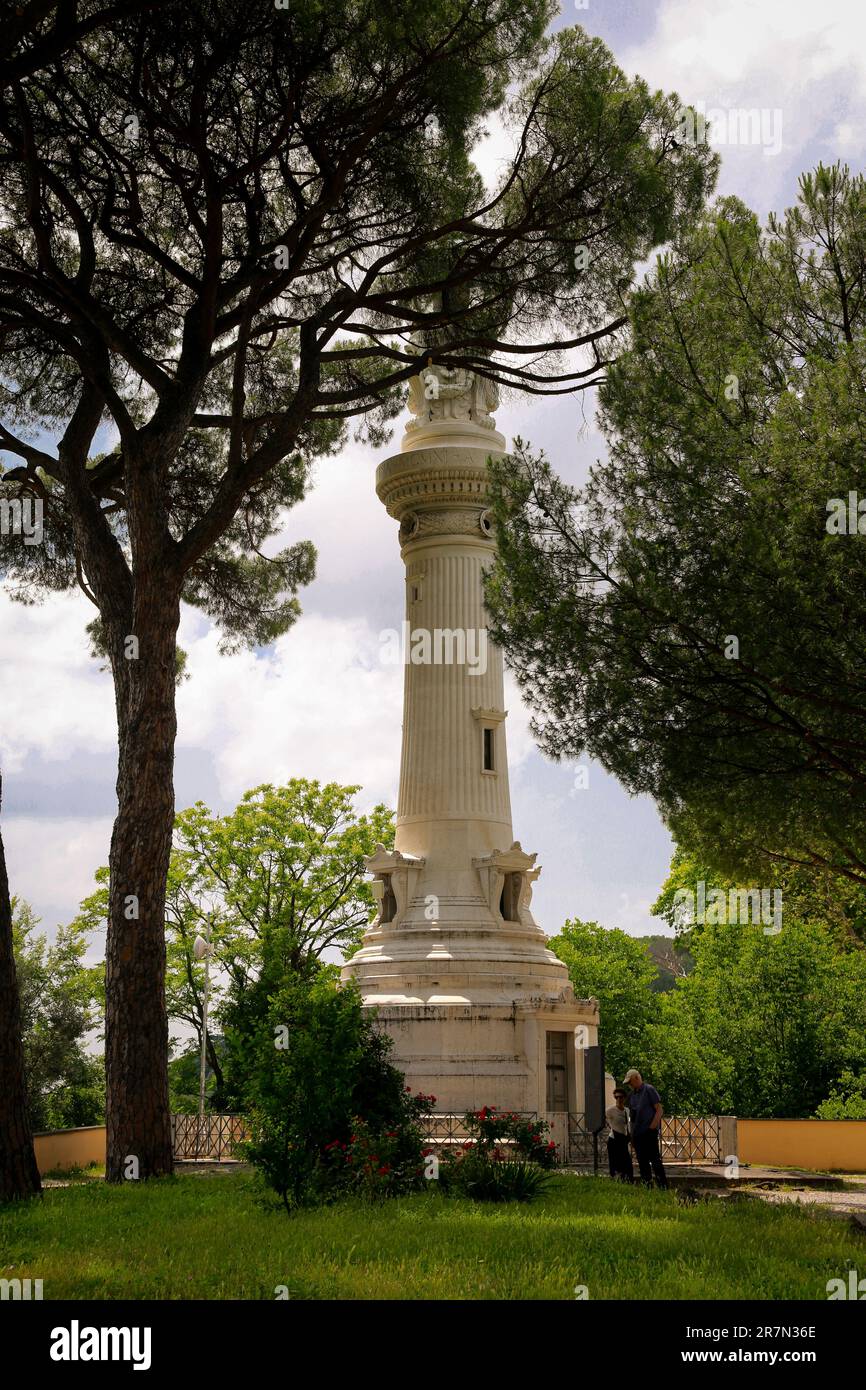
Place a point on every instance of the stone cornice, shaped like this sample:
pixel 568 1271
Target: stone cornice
pixel 386 861
pixel 489 716
pixel 442 478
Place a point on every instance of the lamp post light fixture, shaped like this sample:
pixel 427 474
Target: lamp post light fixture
pixel 202 950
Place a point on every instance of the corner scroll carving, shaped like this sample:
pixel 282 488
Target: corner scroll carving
pixel 507 877
pixel 394 879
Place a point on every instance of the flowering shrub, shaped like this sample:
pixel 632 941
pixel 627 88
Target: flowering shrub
pixel 376 1163
pixel 527 1135
pixel 503 1158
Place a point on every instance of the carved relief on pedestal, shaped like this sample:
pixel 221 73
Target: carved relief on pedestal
pixel 443 523
pixel 394 880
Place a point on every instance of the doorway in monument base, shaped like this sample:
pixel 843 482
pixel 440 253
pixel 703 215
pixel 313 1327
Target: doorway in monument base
pixel 559 1055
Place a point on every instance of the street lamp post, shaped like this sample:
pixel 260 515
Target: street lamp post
pixel 202 951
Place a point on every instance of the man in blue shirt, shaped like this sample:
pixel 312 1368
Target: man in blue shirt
pixel 645 1107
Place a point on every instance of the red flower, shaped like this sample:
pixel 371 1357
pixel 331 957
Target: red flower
pixel 385 1169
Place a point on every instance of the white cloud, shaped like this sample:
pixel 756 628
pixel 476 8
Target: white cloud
pixel 341 514
pixel 786 43
pixel 54 698
pixel 803 60
pixel 51 862
pixel 321 705
pixel 494 152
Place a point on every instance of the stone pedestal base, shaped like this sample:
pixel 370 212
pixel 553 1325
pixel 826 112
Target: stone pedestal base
pixel 471 1055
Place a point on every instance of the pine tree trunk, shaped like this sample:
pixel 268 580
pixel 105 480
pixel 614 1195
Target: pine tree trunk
pixel 136 1024
pixel 19 1175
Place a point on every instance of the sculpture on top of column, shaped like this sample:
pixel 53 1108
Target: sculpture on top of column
pixel 451 393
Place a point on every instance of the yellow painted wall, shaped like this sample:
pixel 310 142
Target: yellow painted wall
pixel 828 1145
pixel 70 1148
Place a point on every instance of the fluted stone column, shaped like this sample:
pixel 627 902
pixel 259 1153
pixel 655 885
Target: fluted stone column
pixel 455 963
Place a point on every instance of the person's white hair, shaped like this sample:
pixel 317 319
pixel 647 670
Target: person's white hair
pixel 632 1071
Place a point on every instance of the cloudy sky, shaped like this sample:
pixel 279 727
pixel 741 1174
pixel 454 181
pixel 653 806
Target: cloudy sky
pixel 320 703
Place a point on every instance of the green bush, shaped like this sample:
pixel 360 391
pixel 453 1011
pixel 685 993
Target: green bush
pixel 328 1113
pixel 375 1163
pixel 487 1176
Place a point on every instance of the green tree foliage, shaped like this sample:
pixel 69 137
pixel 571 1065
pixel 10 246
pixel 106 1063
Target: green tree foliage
pixel 289 858
pixel 275 885
pixel 61 1003
pixel 609 965
pixel 329 1113
pixel 776 1020
pixel 183 1083
pixel 847 1099
pixel 670 958
pixel 691 618
pixel 761 1025
pixel 836 901
pixel 19 1174
pixel 766 1024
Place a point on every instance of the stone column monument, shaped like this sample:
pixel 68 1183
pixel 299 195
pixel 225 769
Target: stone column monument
pixel 480 1009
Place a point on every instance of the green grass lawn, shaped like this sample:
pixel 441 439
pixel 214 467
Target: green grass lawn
pixel 206 1237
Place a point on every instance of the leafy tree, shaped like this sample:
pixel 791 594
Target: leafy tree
pixel 691 617
pixel 183 1083
pixel 246 1009
pixel 687 1067
pixel 39 33
pixel 222 225
pixel 36 35
pixel 671 960
pixel 609 965
pixel 61 1003
pixel 184 1078
pixel 759 1025
pixel 19 1175
pixel 761 1029
pixel 776 1020
pixel 281 877
pixel 290 857
pixel 847 1099
pixel 837 902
